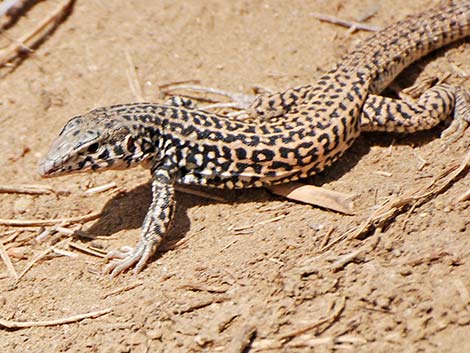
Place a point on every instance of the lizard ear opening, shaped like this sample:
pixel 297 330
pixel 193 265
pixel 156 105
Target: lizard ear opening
pixel 93 148
pixel 130 144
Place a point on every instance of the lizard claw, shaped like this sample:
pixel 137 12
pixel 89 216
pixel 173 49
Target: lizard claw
pixel 129 257
pixel 461 118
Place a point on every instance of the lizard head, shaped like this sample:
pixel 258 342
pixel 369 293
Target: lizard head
pixel 99 140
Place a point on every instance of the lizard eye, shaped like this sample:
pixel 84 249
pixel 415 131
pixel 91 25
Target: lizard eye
pixel 93 148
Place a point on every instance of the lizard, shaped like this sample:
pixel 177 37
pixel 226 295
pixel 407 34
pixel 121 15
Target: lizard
pixel 289 135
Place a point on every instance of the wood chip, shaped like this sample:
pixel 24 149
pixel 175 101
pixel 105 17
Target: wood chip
pixel 314 195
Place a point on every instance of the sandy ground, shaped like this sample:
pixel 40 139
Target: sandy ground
pixel 213 286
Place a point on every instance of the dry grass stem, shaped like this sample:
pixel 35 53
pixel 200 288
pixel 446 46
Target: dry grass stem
pixel 250 226
pixel 122 289
pixel 26 189
pixel 132 78
pixel 49 222
pixel 7 261
pixel 33 262
pixel 168 86
pixel 39 32
pixel 345 23
pixel 101 188
pixel 66 320
pixel 329 319
pixel 74 232
pixel 415 198
pixel 202 304
pixel 383 173
pixel 199 193
pixel 326 237
pixel 63 252
pixel 203 288
pixel 344 260
pixel 87 250
pixel 464 197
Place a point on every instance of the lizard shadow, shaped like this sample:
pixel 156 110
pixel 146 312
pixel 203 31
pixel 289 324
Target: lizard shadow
pixel 127 210
pixel 363 146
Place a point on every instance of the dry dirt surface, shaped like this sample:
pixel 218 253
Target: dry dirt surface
pixel 254 272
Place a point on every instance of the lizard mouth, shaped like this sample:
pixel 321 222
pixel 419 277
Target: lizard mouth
pixel 47 168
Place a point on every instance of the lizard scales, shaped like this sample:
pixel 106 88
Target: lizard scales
pixel 289 135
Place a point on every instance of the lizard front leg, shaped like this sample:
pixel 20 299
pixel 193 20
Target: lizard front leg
pixel 156 224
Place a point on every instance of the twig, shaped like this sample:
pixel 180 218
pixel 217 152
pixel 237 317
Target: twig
pixel 395 206
pixel 66 320
pixel 132 78
pixel 31 264
pixel 101 188
pixel 122 289
pixel 73 232
pixel 178 243
pixel 464 197
pixel 229 244
pixel 239 229
pixel 326 237
pixel 6 259
pixel 87 250
pixel 26 189
pixel 199 193
pixel 203 288
pixel 6 5
pixel 333 317
pixel 164 86
pixel 345 23
pixel 344 260
pixel 63 252
pixel 10 236
pixel 48 222
pixel 202 304
pixel 30 39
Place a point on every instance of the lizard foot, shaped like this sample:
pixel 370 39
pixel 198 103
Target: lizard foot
pixel 461 118
pixel 129 257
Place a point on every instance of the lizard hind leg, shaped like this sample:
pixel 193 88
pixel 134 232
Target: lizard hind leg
pixel 265 107
pixel 438 104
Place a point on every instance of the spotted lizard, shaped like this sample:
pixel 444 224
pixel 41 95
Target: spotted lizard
pixel 289 135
